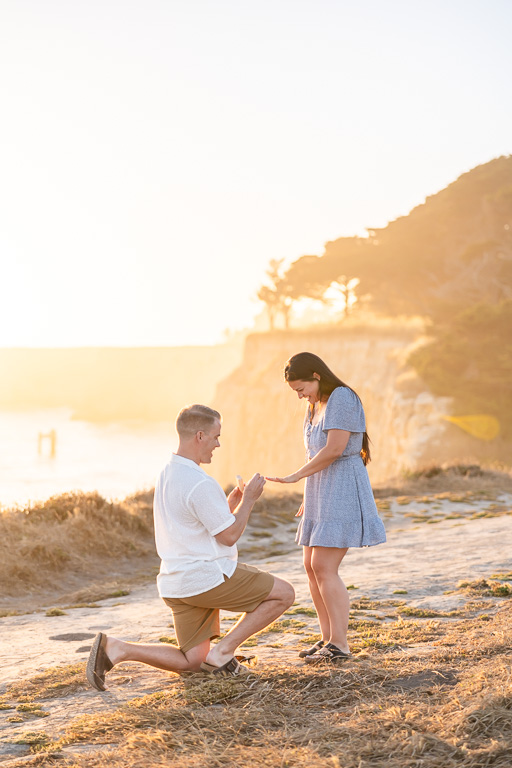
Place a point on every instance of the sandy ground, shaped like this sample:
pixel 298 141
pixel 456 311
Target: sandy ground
pixel 426 559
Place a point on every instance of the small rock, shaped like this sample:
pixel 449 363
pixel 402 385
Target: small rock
pixel 73 636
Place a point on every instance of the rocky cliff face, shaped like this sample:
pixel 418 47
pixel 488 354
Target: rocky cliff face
pixel 262 417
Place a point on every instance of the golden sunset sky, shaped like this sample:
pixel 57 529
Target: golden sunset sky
pixel 156 154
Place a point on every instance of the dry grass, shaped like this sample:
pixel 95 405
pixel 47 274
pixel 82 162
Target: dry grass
pixel 67 539
pixel 483 483
pixel 301 610
pixel 486 587
pixel 386 708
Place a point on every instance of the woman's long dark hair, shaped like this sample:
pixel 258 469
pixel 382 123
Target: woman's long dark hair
pixel 302 366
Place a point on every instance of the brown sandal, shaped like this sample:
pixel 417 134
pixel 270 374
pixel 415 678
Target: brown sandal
pixel 316 647
pixel 231 668
pixel 330 652
pixel 98 663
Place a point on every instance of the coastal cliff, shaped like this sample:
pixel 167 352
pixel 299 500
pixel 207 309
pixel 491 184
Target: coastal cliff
pixel 262 417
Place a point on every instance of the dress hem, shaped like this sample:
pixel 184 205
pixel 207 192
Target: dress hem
pixel 343 545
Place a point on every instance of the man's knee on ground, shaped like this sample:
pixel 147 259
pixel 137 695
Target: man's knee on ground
pixel 193 666
pixel 194 657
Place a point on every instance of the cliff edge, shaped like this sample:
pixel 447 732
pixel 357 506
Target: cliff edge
pixel 262 417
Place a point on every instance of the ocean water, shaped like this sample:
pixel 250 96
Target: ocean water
pixel 113 459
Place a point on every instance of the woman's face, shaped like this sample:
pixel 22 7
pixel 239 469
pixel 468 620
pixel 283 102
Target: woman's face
pixel 308 389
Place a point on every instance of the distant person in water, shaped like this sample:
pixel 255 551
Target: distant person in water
pixel 196 530
pixel 338 510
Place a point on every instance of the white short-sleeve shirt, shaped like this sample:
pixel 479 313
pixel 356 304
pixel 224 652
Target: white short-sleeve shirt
pixel 190 509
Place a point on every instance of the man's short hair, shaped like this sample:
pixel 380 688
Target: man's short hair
pixel 195 418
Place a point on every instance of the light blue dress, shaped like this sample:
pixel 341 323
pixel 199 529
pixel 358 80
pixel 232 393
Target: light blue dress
pixel 339 508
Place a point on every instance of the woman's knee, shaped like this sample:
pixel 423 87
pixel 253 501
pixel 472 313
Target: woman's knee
pixel 308 566
pixel 325 564
pixel 322 571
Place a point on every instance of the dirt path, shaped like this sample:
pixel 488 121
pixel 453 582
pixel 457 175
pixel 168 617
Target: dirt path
pixel 430 548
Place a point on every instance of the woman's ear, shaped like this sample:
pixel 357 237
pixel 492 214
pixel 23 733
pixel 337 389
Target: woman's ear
pixel 316 376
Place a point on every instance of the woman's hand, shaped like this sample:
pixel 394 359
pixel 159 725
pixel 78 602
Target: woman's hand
pixel 300 511
pixel 288 479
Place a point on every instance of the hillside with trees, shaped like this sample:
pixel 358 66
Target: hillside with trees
pixel 450 261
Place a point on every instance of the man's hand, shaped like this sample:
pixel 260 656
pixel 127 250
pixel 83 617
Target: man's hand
pixel 234 498
pixel 252 492
pixel 254 488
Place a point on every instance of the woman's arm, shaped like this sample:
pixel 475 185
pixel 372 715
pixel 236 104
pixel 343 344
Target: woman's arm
pixel 337 440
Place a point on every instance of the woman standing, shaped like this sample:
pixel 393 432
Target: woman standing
pixel 338 510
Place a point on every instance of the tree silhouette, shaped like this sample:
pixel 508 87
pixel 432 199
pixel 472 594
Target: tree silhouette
pixel 276 296
pixel 342 291
pixel 455 248
pixel 269 298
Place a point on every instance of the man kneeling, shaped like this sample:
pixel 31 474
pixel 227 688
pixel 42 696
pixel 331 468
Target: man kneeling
pixel 196 530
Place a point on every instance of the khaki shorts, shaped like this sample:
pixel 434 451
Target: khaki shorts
pixel 197 618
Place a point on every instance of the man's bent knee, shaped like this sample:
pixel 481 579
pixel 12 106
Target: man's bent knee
pixel 283 591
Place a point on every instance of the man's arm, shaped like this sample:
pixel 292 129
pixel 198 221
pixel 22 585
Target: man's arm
pixel 252 492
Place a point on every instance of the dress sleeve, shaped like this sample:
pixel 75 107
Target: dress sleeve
pixel 344 411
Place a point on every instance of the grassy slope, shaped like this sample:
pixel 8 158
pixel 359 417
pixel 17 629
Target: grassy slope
pixel 76 547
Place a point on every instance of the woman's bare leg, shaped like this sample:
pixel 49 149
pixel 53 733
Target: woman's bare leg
pixel 325 562
pixel 323 616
